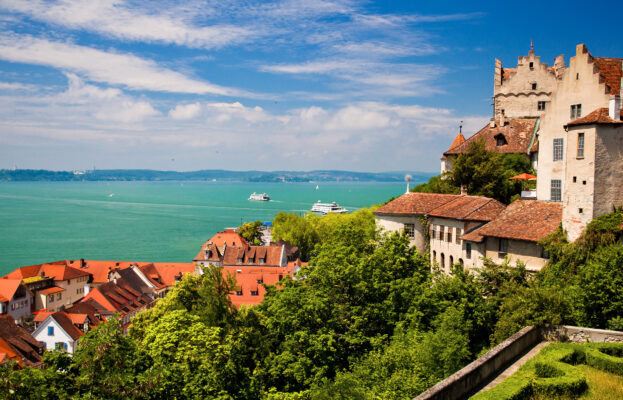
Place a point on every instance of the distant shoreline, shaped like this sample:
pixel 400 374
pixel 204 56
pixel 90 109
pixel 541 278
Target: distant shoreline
pixel 124 175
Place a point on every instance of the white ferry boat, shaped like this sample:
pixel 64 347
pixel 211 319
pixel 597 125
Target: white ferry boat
pixel 259 197
pixel 328 208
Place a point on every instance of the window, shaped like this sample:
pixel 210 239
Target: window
pixel 461 262
pixel 451 261
pixel 468 250
pixel 503 247
pixel 576 111
pixel 500 140
pixel 434 256
pixel 59 296
pixel 239 292
pixel 577 76
pixel 544 253
pixel 531 65
pixel 541 106
pixel 459 233
pixel 260 280
pixel 432 232
pixel 254 293
pixel 443 261
pixel 580 210
pixel 410 230
pixel 534 86
pixel 60 346
pixel 575 179
pixel 50 331
pixel 558 149
pixel 450 234
pixel 580 145
pixel 556 190
pixel 51 298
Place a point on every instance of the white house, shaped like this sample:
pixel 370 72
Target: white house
pixel 58 331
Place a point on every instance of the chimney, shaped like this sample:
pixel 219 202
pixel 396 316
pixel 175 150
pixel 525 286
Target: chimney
pixel 463 190
pixel 82 263
pixel 614 108
pixel 492 123
pixel 502 120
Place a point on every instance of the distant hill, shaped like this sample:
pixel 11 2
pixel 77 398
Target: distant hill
pixel 205 175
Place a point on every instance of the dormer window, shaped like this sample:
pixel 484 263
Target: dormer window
pixel 500 140
pixel 239 259
pixel 251 260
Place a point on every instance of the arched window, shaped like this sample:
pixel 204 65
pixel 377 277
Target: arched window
pixel 434 256
pixel 442 262
pixel 451 261
pixel 461 262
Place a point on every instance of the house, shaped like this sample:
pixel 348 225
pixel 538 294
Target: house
pixel 209 256
pixel 60 330
pixel 69 284
pixel 448 222
pixel 17 344
pixel 15 298
pixel 250 281
pixel 267 256
pixel 408 213
pixel 515 233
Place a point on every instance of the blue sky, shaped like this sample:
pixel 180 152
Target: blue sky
pixel 297 85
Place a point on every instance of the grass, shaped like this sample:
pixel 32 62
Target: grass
pixel 601 386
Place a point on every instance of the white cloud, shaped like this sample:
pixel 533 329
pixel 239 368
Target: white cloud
pixel 16 86
pixel 101 66
pixel 185 111
pixel 123 20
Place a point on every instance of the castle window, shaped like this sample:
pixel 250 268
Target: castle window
pixel 432 232
pixel 580 210
pixel 534 86
pixel 541 106
pixel 575 179
pixel 531 65
pixel 458 235
pixel 556 190
pixel 576 111
pixel 577 76
pixel 468 250
pixel 443 261
pixel 451 261
pixel 450 234
pixel 409 229
pixel 558 149
pixel 500 140
pixel 434 256
pixel 580 145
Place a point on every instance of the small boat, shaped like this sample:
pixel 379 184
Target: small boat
pixel 328 208
pixel 316 187
pixel 259 197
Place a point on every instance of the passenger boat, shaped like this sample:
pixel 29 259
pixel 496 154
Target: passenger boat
pixel 328 208
pixel 259 197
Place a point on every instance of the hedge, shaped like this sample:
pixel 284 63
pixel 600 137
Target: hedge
pixel 552 372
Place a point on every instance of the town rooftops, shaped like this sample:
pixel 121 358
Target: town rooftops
pixel 57 270
pixel 529 220
pixel 516 135
pixel 51 290
pixel 269 256
pixel 209 252
pixel 250 280
pixel 99 269
pixel 598 117
pixel 228 237
pixel 454 206
pixel 67 324
pixel 20 341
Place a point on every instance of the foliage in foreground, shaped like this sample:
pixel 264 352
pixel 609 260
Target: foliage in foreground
pixel 367 319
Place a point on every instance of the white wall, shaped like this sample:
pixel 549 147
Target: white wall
pixel 41 334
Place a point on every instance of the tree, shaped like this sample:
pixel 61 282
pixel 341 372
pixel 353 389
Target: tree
pixel 296 230
pixel 438 184
pixel 251 232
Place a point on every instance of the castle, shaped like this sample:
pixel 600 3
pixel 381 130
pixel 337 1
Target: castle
pixel 567 122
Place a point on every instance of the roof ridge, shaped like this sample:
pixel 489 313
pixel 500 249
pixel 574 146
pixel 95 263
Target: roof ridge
pixel 489 199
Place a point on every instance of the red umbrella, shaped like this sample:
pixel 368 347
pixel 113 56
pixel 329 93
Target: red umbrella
pixel 524 176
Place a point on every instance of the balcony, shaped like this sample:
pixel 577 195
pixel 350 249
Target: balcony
pixel 529 194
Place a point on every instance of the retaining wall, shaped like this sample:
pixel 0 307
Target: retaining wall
pixel 463 382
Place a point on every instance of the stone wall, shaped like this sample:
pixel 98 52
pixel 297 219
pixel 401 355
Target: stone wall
pixel 396 223
pixel 518 250
pixel 576 334
pixel 465 381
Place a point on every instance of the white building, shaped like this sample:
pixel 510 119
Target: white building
pixel 59 332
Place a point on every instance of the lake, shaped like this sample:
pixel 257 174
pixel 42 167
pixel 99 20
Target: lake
pixel 148 221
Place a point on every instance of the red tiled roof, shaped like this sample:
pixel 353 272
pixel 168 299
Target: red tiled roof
pixel 86 308
pixel 8 287
pixel 169 271
pixel 271 256
pixel 473 236
pixel 415 203
pixel 7 353
pixel 66 323
pixel 611 70
pixel 529 220
pixel 600 117
pixel 20 341
pixel 229 237
pixel 50 290
pixel 214 254
pixel 506 72
pixel 42 315
pixel 62 272
pixel 473 208
pixel 99 269
pixel 247 281
pixel 458 140
pixel 516 131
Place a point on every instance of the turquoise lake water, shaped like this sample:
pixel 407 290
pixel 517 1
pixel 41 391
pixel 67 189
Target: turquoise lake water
pixel 148 221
